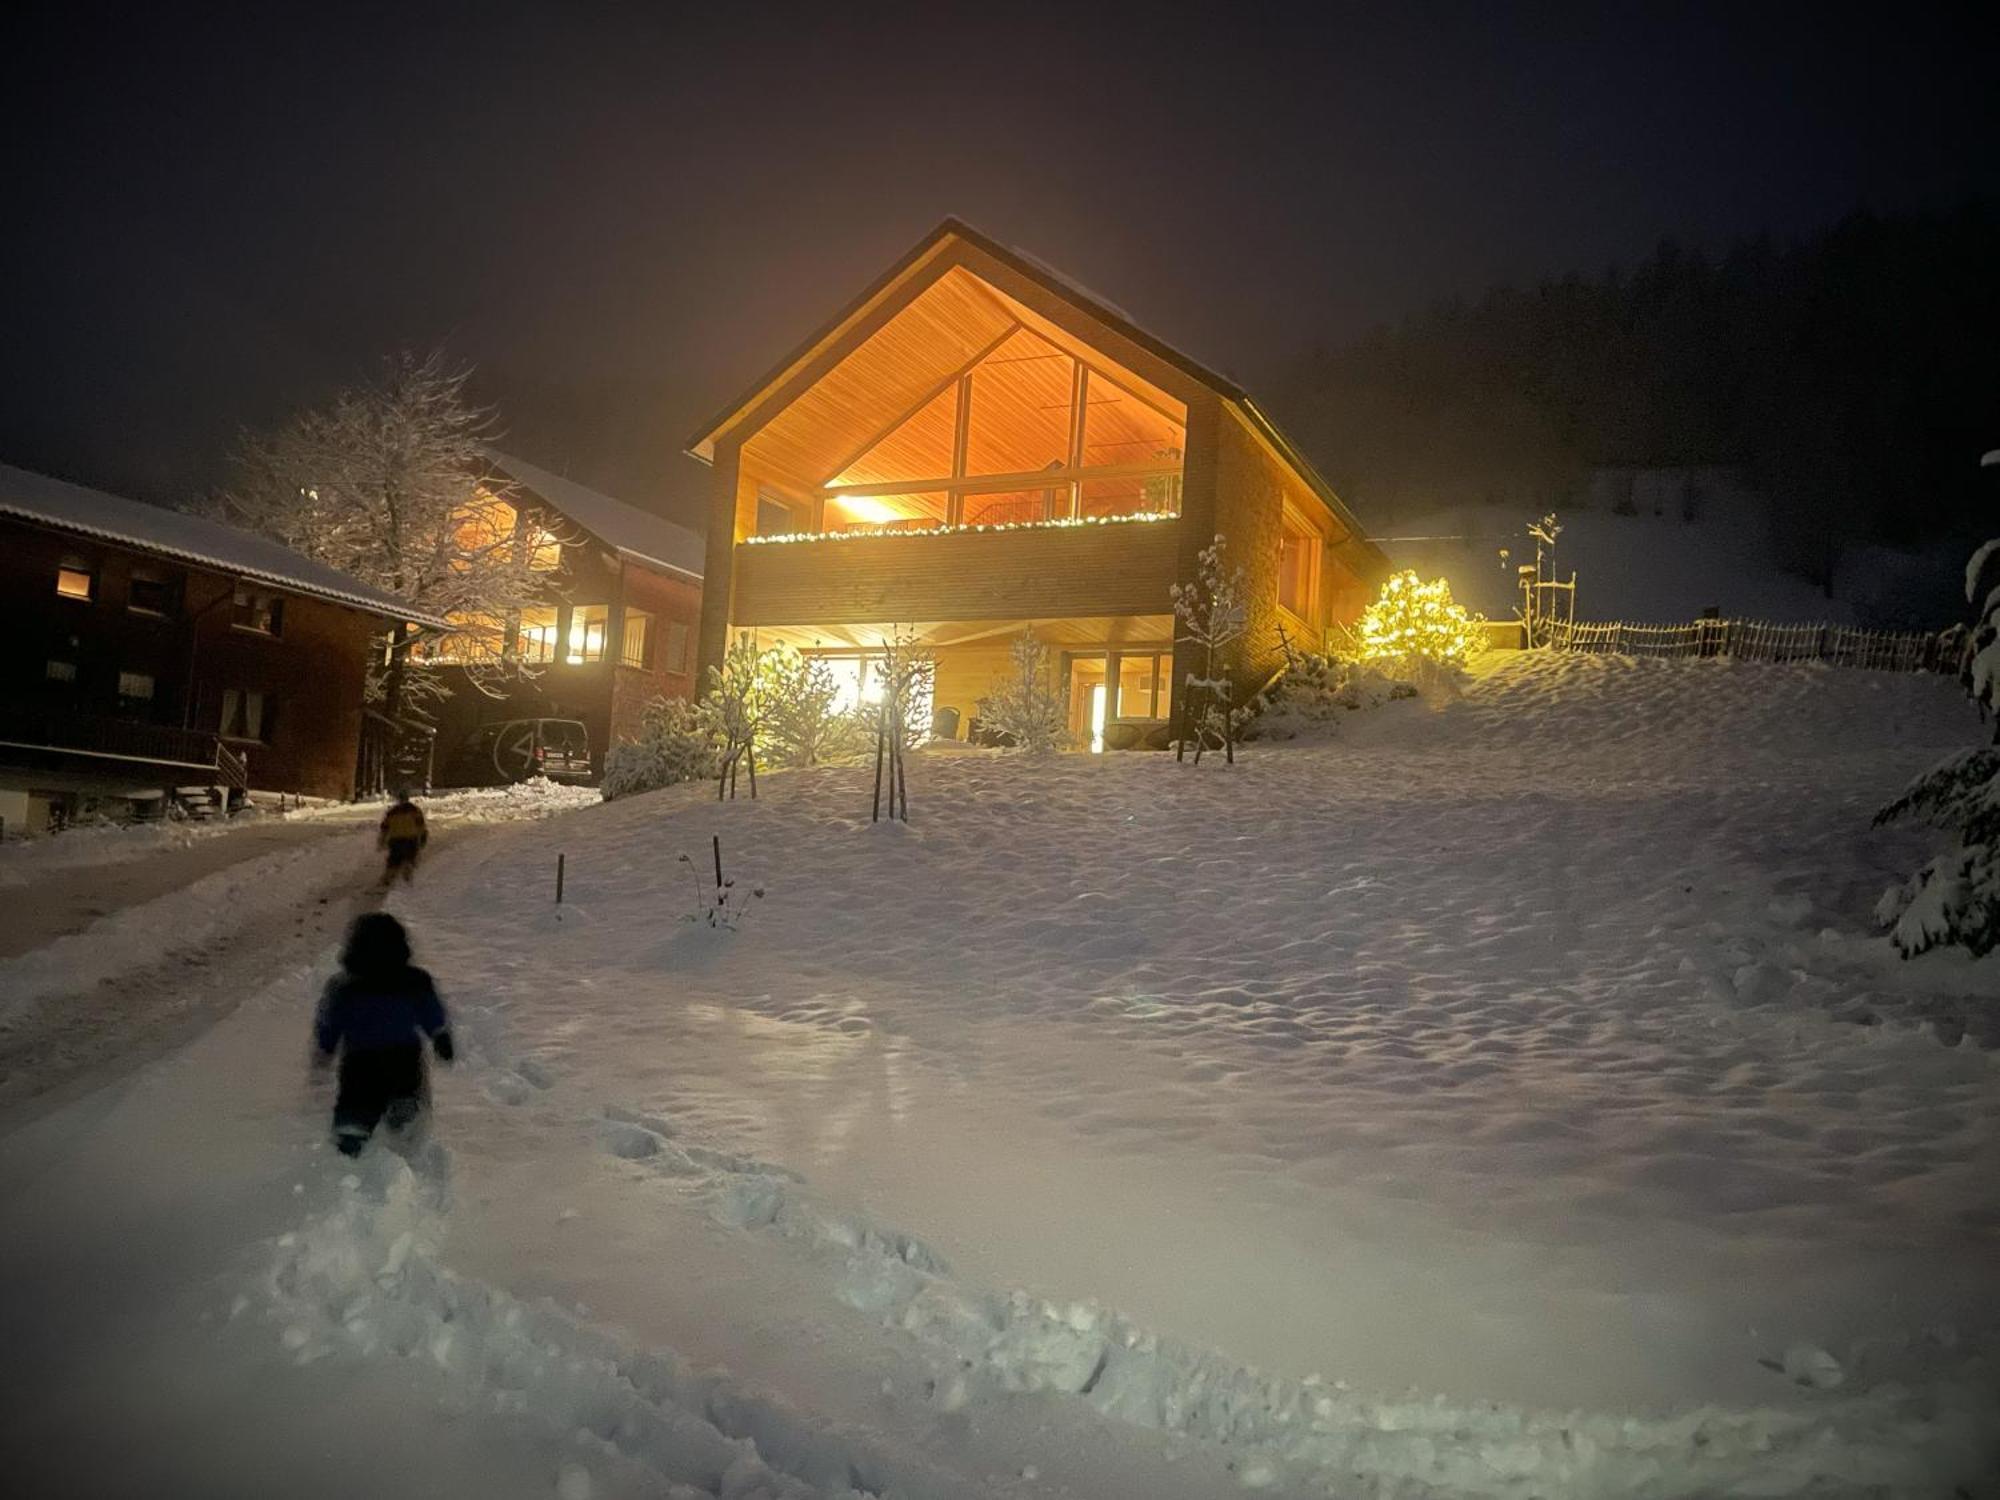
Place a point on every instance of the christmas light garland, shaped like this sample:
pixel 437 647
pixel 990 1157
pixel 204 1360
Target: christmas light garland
pixel 870 532
pixel 1417 620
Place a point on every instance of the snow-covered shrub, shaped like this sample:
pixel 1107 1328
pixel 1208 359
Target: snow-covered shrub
pixel 1027 708
pixel 1414 630
pixel 803 722
pixel 1955 899
pixel 1317 691
pixel 677 742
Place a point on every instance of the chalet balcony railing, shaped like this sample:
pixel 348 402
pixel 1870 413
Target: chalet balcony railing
pixel 106 738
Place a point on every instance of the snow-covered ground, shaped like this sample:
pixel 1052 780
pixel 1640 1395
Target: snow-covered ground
pixel 1518 1086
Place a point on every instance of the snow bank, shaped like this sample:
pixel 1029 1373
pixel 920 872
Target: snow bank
pixel 22 860
pixel 363 1280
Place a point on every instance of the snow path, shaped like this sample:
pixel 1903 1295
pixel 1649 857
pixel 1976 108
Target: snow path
pixel 1508 1052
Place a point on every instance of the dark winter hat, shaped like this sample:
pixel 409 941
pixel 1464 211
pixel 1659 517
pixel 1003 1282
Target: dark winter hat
pixel 376 944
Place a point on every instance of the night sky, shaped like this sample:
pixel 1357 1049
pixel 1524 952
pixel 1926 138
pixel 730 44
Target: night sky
pixel 622 214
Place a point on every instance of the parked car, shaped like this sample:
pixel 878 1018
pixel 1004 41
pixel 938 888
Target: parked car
pixel 518 749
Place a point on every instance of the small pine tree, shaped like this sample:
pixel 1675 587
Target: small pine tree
pixel 1026 707
pixel 1212 615
pixel 1955 899
pixel 804 724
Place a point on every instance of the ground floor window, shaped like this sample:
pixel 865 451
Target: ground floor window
pixel 677 648
pixel 635 638
pixel 1298 568
pixel 135 688
pixel 248 714
pixel 1112 688
pixel 587 626
pixel 535 637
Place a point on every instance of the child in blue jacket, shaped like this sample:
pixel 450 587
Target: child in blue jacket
pixel 377 1014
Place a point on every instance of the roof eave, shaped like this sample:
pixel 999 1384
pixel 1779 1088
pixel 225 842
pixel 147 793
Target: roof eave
pixel 235 570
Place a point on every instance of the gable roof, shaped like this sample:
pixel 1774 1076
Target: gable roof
pixel 62 506
pixel 702 444
pixel 626 529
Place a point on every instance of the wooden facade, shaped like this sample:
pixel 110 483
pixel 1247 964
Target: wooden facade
pixel 129 667
pixel 970 386
pixel 621 611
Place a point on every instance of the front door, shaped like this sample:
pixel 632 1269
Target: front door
pixel 1089 698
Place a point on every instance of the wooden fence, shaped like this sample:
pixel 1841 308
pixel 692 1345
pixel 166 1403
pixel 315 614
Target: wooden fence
pixel 1760 640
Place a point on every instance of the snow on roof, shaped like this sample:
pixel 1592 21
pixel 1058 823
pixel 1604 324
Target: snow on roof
pixel 63 506
pixel 630 531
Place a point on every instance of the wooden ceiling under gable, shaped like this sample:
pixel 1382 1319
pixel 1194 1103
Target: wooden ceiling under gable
pixel 887 404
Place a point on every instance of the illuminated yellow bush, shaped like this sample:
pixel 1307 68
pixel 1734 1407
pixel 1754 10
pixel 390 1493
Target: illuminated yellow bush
pixel 1416 623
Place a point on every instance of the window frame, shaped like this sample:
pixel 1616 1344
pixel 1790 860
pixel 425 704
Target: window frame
pixel 244 598
pixel 76 564
pixel 647 619
pixel 162 578
pixel 1294 525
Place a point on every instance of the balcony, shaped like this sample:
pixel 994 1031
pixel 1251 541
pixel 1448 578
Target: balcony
pixel 1122 565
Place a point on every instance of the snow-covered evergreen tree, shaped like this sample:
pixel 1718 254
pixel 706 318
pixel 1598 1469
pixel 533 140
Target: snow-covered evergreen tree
pixel 1955 899
pixel 804 723
pixel 1212 614
pixel 677 742
pixel 1027 707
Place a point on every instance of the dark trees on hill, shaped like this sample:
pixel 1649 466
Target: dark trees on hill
pixel 1853 377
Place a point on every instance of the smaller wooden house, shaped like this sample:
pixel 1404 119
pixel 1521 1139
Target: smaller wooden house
pixel 155 650
pixel 617 623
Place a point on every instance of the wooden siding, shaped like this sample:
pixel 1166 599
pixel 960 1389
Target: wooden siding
pixel 1123 569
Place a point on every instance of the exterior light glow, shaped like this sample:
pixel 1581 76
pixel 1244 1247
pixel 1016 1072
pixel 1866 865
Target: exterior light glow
pixel 1415 621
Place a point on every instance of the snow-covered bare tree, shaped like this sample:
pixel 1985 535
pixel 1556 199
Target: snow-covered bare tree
pixel 1212 613
pixel 1026 707
pixel 905 673
pixel 804 723
pixel 1955 899
pixel 389 482
pixel 736 700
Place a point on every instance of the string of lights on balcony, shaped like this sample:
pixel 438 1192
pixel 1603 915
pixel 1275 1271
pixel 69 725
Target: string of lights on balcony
pixel 1067 523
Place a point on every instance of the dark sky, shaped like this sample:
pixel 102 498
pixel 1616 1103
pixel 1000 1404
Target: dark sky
pixel 623 213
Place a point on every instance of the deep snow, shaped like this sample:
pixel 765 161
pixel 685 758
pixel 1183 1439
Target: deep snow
pixel 1521 1086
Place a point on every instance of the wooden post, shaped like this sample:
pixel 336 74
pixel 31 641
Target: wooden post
pixel 881 735
pixel 717 841
pixel 559 878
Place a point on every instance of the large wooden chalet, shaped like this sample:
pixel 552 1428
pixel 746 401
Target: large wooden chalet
pixel 974 446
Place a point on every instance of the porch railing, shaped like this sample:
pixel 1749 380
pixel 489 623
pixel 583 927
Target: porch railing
pixel 105 738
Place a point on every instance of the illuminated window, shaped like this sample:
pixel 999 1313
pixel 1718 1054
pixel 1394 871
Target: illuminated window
pixel 1298 568
pixel 258 610
pixel 535 640
pixel 777 516
pixel 544 551
pixel 677 648
pixel 75 578
pixel 1015 413
pixel 135 687
pixel 635 641
pixel 151 592
pixel 1144 690
pixel 60 671
pixel 248 714
pixel 587 624
pixel 472 637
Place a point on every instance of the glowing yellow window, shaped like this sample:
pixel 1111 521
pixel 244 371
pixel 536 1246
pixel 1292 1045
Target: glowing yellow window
pixel 74 578
pixel 587 624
